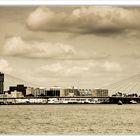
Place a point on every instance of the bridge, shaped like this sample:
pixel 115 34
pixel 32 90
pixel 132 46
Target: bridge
pixel 130 85
pixel 10 80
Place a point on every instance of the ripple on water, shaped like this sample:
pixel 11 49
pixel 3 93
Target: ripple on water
pixel 70 119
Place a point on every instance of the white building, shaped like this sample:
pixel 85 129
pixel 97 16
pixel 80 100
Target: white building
pixel 30 91
pixel 16 94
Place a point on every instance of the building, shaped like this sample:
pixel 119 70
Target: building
pixel 62 92
pixel 5 95
pixel 54 91
pixel 16 94
pixel 39 92
pixel 71 92
pixel 30 91
pixel 85 92
pixel 1 83
pixel 100 92
pixel 18 88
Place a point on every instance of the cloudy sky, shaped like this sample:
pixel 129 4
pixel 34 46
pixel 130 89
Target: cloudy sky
pixel 88 47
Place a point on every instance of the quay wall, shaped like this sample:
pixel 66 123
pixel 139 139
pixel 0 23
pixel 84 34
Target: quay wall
pixel 61 100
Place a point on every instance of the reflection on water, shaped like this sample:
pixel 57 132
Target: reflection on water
pixel 70 119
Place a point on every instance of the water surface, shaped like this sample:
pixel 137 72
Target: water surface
pixel 70 119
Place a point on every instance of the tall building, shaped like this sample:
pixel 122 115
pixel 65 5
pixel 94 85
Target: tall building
pixel 1 83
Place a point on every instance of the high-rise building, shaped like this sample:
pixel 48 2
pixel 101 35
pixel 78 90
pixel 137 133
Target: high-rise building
pixel 1 83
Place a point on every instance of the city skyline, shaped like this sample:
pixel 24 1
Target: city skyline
pixel 65 46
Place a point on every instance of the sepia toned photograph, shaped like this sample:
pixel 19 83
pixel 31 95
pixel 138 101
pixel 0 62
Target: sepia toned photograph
pixel 69 70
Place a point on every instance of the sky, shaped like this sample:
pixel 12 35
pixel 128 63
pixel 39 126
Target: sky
pixel 86 47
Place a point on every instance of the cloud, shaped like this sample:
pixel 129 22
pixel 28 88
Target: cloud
pixel 90 55
pixel 112 66
pixel 79 68
pixel 85 20
pixel 57 67
pixel 4 66
pixel 132 55
pixel 65 70
pixel 16 46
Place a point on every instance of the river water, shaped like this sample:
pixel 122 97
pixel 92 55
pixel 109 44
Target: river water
pixel 70 119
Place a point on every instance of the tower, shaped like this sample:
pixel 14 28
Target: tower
pixel 1 83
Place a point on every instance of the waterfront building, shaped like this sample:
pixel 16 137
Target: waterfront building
pixel 16 94
pixel 30 91
pixel 1 83
pixel 62 92
pixel 85 92
pixel 39 92
pixel 5 95
pixel 19 88
pixel 69 92
pixel 54 91
pixel 100 92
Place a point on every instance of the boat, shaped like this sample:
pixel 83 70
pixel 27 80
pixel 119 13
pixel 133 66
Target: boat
pixel 120 102
pixel 133 102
